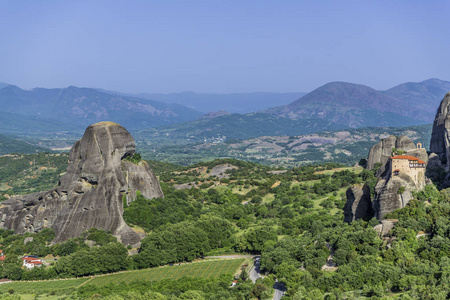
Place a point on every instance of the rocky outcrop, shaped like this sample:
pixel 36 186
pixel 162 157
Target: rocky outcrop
pixel 393 192
pixel 380 152
pixel 440 143
pixel 384 228
pixel 92 191
pixel 359 203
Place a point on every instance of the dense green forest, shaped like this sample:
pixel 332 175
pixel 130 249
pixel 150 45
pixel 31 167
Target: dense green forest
pixel 293 218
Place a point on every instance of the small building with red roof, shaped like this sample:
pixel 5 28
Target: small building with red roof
pixel 31 262
pixel 408 165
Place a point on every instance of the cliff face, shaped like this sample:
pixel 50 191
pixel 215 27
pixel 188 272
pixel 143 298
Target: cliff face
pixel 381 151
pixel 359 203
pixel 391 192
pixel 440 143
pixel 91 192
pixel 388 193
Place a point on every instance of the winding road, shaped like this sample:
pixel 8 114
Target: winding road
pixel 254 272
pixel 280 290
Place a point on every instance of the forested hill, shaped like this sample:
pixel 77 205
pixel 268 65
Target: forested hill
pixel 349 103
pixel 292 218
pixel 79 107
pixel 10 144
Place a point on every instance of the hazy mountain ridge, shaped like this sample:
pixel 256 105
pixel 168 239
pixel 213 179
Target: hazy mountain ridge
pixel 82 106
pixel 241 103
pixel 425 95
pixel 347 103
pixel 333 106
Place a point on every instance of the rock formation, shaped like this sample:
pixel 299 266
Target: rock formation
pixel 392 192
pixel 359 203
pixel 381 151
pixel 395 184
pixel 91 193
pixel 440 140
pixel 384 228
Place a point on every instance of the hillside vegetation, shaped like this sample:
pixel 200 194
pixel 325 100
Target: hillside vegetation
pixel 343 146
pixel 27 173
pixel 10 144
pixel 292 217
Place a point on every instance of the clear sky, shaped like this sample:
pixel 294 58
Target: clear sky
pixel 222 46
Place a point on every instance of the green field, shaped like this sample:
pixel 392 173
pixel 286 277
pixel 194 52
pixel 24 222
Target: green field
pixel 44 286
pixel 204 269
pixel 207 269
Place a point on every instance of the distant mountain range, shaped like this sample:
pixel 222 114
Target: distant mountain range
pixel 75 107
pixel 333 106
pixel 241 103
pixel 354 104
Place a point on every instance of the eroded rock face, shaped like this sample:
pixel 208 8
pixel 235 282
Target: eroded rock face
pixel 91 192
pixel 394 192
pixel 359 203
pixel 384 228
pixel 389 196
pixel 381 151
pixel 440 142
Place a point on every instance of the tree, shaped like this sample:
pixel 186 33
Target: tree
pixel 256 237
pixel 258 290
pixel 244 274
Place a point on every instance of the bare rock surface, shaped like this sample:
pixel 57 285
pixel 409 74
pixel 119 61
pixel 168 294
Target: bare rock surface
pixel 385 227
pixel 381 151
pixel 388 195
pixel 91 192
pixel 440 142
pixel 359 203
pixel 220 170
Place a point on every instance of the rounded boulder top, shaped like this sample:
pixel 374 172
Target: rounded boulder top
pixel 106 123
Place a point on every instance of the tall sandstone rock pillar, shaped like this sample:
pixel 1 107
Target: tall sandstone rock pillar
pixel 380 152
pixel 91 192
pixel 391 192
pixel 359 203
pixel 440 141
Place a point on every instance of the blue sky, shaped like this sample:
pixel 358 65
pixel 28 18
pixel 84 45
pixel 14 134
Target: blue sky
pixel 222 46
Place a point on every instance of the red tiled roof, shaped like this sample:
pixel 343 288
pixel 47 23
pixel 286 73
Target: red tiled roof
pixel 2 257
pixel 32 260
pixel 408 157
